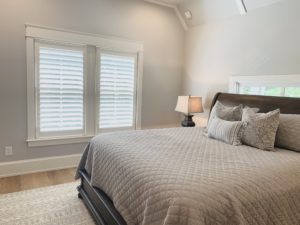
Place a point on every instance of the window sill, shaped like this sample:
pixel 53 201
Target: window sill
pixel 58 141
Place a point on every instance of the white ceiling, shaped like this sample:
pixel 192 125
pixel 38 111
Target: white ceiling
pixel 204 11
pixel 249 3
pixel 170 2
pixel 254 4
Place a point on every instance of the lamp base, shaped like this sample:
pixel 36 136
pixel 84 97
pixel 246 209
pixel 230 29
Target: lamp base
pixel 188 121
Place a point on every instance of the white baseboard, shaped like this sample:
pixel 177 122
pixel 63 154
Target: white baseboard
pixel 8 169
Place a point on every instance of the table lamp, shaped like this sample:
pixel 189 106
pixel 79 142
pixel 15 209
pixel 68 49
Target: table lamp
pixel 187 105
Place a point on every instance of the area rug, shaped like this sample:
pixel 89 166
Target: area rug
pixel 53 205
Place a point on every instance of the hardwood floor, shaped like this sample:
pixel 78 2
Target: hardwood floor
pixel 36 180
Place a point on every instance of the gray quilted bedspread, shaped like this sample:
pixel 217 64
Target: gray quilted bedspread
pixel 179 176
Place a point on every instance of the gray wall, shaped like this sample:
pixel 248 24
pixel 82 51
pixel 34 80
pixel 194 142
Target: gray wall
pixel 263 42
pixel 157 26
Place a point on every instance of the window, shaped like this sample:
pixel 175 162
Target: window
pixel 270 91
pixel 80 85
pixel 60 93
pixel 280 85
pixel 117 91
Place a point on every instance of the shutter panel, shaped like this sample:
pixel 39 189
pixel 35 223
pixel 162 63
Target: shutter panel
pixel 61 89
pixel 117 91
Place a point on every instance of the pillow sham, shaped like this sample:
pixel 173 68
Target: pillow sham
pixel 223 112
pixel 261 129
pixel 229 132
pixel 288 134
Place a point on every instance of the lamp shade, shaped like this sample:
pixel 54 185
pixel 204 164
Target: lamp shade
pixel 189 104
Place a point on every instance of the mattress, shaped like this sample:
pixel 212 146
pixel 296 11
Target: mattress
pixel 179 176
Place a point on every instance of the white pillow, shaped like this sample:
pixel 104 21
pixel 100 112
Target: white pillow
pixel 229 132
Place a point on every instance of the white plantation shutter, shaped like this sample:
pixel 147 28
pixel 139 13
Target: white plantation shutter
pixel 63 70
pixel 117 91
pixel 61 90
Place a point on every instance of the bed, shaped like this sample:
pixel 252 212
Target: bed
pixel 179 176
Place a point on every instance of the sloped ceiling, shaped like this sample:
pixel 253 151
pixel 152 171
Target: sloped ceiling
pixel 212 10
pixel 171 2
pixel 254 4
pixel 205 11
pixel 208 10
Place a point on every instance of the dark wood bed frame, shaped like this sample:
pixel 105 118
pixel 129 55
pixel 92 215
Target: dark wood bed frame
pixel 100 205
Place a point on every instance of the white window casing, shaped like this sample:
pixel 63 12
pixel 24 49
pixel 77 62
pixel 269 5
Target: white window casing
pixel 47 121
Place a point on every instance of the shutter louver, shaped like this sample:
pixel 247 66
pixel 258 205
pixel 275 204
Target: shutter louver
pixel 61 90
pixel 117 91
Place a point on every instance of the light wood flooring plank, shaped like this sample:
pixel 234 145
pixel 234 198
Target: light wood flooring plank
pixel 36 180
pixel 10 184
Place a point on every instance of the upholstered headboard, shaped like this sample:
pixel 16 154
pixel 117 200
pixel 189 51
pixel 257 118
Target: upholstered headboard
pixel 265 103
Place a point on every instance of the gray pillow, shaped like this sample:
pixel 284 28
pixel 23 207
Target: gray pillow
pixel 229 132
pixel 261 129
pixel 288 134
pixel 228 113
pixel 255 110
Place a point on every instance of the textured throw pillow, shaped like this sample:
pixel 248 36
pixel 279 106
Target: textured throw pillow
pixel 246 108
pixel 288 134
pixel 228 113
pixel 261 129
pixel 229 132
